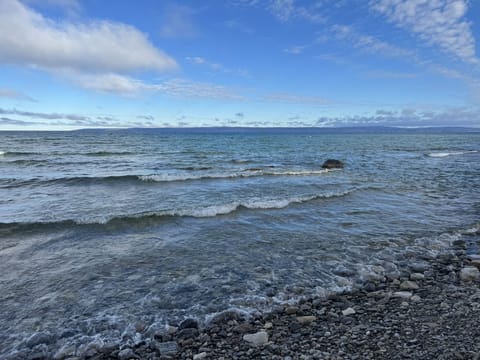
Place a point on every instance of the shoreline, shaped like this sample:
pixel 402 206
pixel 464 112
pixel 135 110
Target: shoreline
pixel 427 313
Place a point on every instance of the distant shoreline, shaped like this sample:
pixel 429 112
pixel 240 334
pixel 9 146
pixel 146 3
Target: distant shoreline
pixel 273 130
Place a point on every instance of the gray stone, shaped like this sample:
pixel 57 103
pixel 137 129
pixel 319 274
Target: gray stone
pixel 419 267
pixel 416 298
pixel 291 310
pixel 268 325
pixel 469 273
pixel 348 311
pixel 171 329
pixel 305 320
pixel 200 356
pixel 408 285
pixel 402 294
pixel 258 339
pixel 127 354
pixel 417 276
pixel 475 263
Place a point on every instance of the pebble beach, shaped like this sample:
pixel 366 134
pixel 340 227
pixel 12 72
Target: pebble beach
pixel 430 312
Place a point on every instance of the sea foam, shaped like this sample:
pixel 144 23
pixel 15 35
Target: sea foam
pixel 452 153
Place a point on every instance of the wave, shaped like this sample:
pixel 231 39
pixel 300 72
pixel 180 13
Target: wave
pixel 201 212
pixel 107 153
pixel 241 174
pixel 167 177
pixel 452 153
pixel 18 153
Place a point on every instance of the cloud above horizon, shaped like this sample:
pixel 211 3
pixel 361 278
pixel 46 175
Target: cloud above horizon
pixel 439 23
pixel 14 94
pixel 78 51
pixel 407 117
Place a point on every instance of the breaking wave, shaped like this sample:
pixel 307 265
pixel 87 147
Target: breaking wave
pixel 451 153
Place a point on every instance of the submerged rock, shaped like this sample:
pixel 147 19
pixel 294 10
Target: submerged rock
pixel 332 164
pixel 188 324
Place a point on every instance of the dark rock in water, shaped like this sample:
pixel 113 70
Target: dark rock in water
pixel 188 324
pixel 225 317
pixel 332 164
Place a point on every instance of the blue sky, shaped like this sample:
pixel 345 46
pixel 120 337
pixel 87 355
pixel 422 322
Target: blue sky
pixel 67 64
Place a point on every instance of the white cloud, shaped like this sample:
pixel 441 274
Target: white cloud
pixel 128 86
pixel 28 38
pixel 297 99
pixel 439 23
pixel 369 43
pixel 287 10
pixel 47 116
pixel 188 88
pixel 108 83
pixel 408 117
pixel 14 94
pixel 198 60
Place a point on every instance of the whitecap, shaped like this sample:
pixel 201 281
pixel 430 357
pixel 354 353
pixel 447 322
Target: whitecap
pixel 452 153
pixel 170 177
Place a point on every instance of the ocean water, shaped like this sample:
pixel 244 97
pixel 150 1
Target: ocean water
pixel 101 230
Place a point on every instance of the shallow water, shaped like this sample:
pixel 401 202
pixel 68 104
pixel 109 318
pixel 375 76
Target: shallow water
pixel 101 229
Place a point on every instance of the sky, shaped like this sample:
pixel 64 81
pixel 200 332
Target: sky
pixel 69 64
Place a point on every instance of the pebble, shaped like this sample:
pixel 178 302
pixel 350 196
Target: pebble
pixel 475 263
pixel 348 311
pixel 402 294
pixel 200 356
pixel 291 310
pixel 258 339
pixel 469 273
pixel 416 298
pixel 171 329
pixel 417 276
pixel 437 321
pixel 305 320
pixel 409 285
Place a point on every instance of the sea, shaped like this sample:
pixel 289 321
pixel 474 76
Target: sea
pixel 103 230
